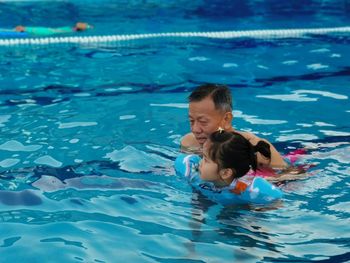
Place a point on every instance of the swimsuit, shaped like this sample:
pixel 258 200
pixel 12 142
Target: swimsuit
pixel 46 31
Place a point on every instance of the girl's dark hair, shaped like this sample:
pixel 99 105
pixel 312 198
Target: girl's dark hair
pixel 232 150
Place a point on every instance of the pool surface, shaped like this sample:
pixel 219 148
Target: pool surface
pixel 90 133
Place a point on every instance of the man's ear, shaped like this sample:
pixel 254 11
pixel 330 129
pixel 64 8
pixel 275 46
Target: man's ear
pixel 226 173
pixel 228 117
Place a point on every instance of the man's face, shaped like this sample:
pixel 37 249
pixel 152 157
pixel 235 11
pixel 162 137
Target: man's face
pixel 204 119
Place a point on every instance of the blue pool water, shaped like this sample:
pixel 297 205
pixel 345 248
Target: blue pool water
pixel 90 133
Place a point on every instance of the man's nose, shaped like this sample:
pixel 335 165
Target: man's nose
pixel 196 128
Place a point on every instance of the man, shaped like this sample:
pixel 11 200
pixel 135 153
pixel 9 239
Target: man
pixel 210 108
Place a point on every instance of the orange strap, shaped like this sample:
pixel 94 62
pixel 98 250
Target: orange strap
pixel 239 188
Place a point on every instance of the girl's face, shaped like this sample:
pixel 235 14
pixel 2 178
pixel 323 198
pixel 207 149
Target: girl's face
pixel 209 170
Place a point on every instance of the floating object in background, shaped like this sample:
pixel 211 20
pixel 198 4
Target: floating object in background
pixel 47 31
pixel 255 34
pixel 28 31
pixel 4 33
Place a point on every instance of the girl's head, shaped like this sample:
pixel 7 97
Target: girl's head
pixel 228 155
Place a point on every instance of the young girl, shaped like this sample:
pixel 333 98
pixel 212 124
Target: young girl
pixel 222 174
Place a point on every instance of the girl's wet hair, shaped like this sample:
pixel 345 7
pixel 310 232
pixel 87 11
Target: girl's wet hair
pixel 232 150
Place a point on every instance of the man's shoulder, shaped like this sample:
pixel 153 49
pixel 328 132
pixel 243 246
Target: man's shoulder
pixel 188 140
pixel 252 138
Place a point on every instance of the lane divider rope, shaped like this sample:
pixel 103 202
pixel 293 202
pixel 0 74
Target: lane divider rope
pixel 264 34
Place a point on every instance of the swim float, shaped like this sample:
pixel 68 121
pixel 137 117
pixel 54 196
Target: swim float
pixel 244 190
pixel 12 34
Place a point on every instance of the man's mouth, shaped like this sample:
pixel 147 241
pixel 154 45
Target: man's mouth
pixel 201 140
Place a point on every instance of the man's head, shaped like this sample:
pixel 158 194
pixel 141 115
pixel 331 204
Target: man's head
pixel 82 26
pixel 210 107
pixel 20 28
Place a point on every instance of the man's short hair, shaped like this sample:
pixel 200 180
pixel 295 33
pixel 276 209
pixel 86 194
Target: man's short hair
pixel 220 94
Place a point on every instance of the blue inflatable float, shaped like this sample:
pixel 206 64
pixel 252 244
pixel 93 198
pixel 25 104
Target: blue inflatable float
pixel 247 189
pixel 12 34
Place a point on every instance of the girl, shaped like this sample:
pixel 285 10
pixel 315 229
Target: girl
pixel 223 175
pixel 228 156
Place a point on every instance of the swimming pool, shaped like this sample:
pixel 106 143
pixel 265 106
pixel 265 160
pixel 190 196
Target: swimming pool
pixel 90 133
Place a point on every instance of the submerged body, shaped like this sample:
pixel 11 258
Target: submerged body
pixel 47 31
